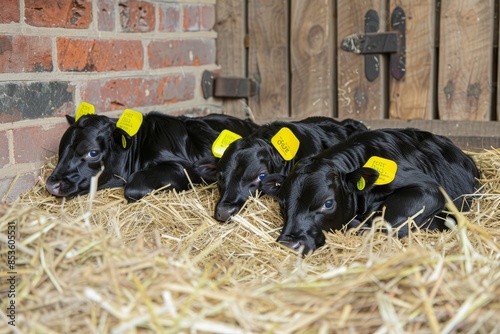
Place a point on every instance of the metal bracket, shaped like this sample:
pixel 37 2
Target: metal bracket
pixel 215 86
pixel 372 42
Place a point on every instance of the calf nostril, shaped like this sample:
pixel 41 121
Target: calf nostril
pixel 292 244
pixel 53 187
pixel 222 214
pixel 296 246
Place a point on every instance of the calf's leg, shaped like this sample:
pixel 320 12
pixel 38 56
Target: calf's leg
pixel 406 202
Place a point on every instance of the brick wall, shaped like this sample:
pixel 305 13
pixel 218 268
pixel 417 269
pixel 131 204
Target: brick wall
pixel 115 54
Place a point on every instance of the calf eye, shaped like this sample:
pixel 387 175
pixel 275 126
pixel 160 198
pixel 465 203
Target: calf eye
pixel 93 154
pixel 328 204
pixel 261 176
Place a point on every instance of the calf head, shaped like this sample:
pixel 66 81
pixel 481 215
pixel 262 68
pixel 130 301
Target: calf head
pixel 85 147
pixel 315 197
pixel 240 171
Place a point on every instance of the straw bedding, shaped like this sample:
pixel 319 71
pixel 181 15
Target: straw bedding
pixel 163 264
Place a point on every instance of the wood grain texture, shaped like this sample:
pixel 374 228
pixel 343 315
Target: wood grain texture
pixel 413 96
pixel 268 61
pixel 357 97
pixel 230 26
pixel 312 58
pixel 465 59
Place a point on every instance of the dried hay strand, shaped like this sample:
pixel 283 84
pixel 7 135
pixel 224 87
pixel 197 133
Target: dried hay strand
pixel 97 264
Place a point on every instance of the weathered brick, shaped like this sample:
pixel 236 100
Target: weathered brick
pixel 17 186
pixel 106 15
pixel 83 55
pixel 169 17
pixel 25 54
pixel 4 149
pixel 137 16
pixel 29 100
pixel 35 143
pixel 192 52
pixel 75 14
pixel 177 88
pixel 10 11
pixel 198 17
pixel 207 17
pixel 120 93
pixel 191 20
pixel 138 92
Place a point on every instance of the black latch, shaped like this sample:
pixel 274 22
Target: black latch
pixel 215 86
pixel 373 42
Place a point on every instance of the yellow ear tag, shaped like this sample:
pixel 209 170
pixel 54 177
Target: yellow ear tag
pixel 386 168
pixel 130 121
pixel 84 109
pixel 286 143
pixel 224 139
pixel 361 184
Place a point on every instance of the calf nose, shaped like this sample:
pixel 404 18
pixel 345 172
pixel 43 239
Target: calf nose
pixel 292 244
pixel 53 187
pixel 224 211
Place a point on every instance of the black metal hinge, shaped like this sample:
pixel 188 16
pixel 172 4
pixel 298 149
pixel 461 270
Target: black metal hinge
pixel 215 86
pixel 373 42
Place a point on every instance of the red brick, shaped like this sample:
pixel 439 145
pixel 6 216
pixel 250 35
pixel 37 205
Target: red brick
pixel 120 93
pixel 192 52
pixel 106 15
pixel 83 55
pixel 191 18
pixel 35 143
pixel 207 17
pixel 138 92
pixel 169 17
pixel 4 149
pixel 198 17
pixel 177 88
pixel 137 16
pixel 10 11
pixel 75 14
pixel 25 54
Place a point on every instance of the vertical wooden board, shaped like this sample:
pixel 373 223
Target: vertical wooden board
pixel 268 61
pixel 230 26
pixel 312 58
pixel 413 96
pixel 357 97
pixel 465 59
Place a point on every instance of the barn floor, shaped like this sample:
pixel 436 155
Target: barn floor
pixel 96 264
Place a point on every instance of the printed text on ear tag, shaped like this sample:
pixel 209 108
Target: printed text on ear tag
pixel 130 122
pixel 386 168
pixel 286 143
pixel 224 139
pixel 84 109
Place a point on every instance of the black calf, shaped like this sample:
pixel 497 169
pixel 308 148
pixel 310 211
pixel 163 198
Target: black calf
pixel 342 186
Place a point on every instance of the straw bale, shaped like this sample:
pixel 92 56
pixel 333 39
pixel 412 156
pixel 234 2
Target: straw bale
pixel 95 264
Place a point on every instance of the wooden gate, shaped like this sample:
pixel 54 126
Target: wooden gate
pixel 292 50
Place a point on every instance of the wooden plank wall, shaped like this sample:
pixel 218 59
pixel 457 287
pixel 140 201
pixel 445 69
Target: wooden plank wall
pixel 414 97
pixel 268 58
pixel 312 60
pixel 291 48
pixel 466 60
pixel 358 97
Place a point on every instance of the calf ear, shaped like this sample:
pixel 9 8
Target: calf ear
pixel 271 184
pixel 206 168
pixel 122 138
pixel 361 179
pixel 70 119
